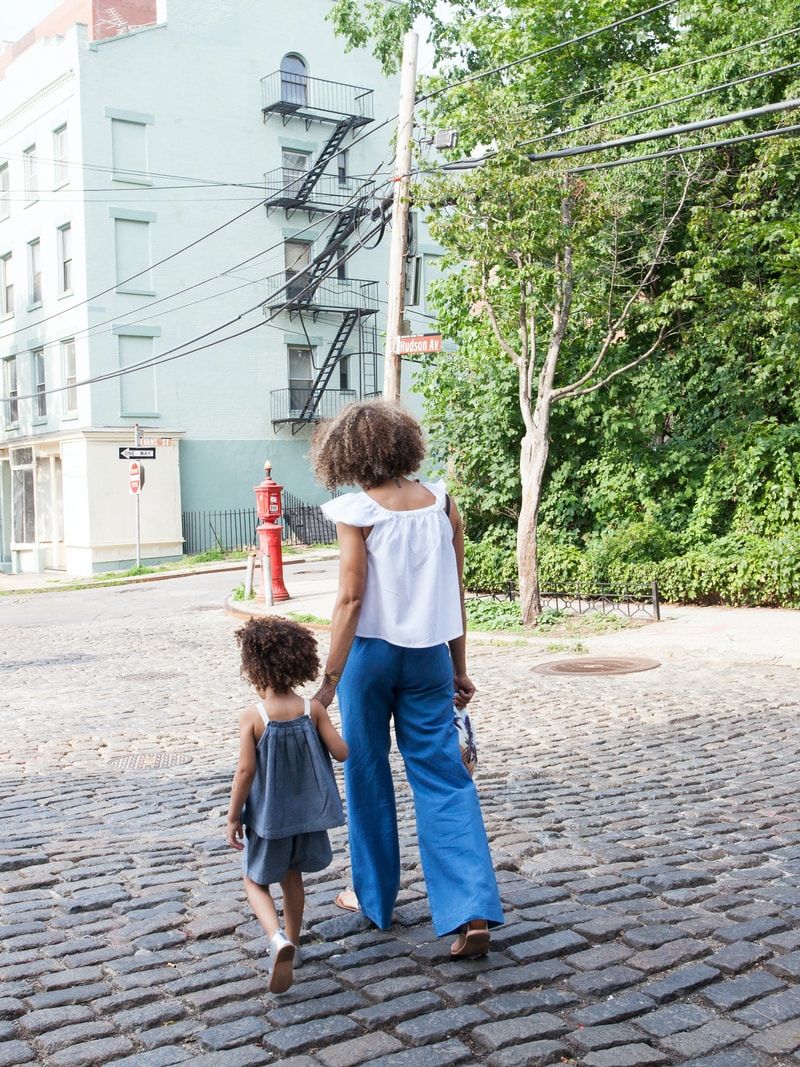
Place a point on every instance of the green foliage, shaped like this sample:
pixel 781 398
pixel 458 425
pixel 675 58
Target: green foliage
pixel 687 468
pixel 135 572
pixel 239 593
pixel 305 617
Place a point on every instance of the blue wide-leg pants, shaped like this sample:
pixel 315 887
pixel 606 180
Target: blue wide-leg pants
pixel 414 686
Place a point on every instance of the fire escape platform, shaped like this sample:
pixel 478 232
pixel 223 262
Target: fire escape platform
pixel 315 99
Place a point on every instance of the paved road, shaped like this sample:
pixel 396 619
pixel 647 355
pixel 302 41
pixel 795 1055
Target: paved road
pixel 645 827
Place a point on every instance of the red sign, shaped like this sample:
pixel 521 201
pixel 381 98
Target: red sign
pixel 136 478
pixel 415 344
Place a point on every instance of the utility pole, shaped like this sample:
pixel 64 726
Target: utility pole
pixel 399 245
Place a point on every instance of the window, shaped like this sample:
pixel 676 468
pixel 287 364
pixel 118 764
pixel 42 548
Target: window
pixel 294 80
pixel 60 155
pixel 341 263
pixel 296 257
pixel 129 151
pixel 5 203
pixel 137 390
pixel 344 373
pixel 301 377
pixel 70 377
pixel 30 169
pixel 34 273
pixel 341 167
pixel 295 166
pixel 23 506
pixel 6 286
pixel 39 382
pixel 65 259
pixel 132 244
pixel 12 392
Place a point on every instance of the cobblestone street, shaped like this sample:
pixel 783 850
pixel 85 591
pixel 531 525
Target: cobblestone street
pixel 645 828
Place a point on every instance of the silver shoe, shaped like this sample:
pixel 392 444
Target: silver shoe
pixel 282 954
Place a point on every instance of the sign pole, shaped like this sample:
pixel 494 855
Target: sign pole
pixel 138 505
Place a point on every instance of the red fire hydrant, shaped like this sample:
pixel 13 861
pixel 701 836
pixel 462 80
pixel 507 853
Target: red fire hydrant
pixel 269 505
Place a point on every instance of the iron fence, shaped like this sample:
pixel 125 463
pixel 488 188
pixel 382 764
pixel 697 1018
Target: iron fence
pixel 640 601
pixel 234 530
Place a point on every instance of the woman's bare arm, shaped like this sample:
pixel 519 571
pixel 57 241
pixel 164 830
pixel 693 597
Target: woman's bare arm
pixel 464 689
pixel 346 612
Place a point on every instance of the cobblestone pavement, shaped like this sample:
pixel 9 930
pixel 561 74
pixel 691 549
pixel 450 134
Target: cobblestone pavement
pixel 645 827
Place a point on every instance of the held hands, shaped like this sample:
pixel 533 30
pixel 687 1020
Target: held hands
pixel 234 833
pixel 463 690
pixel 326 693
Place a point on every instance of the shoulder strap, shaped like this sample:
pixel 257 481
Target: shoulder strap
pixel 307 706
pixel 262 711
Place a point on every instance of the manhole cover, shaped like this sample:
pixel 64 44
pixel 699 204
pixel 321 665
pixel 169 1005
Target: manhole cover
pixel 207 607
pixel 597 665
pixel 147 761
pixel 151 676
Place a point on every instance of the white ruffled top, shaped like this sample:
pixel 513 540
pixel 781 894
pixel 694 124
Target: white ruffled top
pixel 412 596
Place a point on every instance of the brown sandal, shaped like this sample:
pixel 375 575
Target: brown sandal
pixel 347 900
pixel 472 941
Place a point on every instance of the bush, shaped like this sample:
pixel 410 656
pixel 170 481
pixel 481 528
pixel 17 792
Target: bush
pixel 491 563
pixel 739 569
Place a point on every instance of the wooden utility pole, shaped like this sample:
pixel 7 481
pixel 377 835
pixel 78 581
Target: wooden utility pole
pixel 399 246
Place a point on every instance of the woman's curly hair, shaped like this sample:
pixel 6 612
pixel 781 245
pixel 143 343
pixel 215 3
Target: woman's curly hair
pixel 367 444
pixel 277 654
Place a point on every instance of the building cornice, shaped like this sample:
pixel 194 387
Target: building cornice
pixel 62 79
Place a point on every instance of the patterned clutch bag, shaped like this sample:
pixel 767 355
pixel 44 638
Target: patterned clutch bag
pixel 466 738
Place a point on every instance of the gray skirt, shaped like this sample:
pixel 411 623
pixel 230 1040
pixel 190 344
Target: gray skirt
pixel 267 860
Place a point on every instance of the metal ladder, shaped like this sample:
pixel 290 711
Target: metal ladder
pixel 335 353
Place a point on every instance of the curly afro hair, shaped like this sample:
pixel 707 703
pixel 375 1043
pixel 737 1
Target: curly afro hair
pixel 367 444
pixel 277 654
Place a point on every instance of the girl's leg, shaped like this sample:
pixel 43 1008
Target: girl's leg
pixel 262 904
pixel 366 697
pixel 294 899
pixel 459 874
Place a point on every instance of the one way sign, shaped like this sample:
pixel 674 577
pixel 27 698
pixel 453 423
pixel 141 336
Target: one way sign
pixel 137 453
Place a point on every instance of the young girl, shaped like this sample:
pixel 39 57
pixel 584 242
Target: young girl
pixel 283 790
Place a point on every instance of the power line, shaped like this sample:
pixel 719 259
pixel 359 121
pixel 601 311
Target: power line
pixel 176 353
pixel 780 131
pixel 96 327
pixel 658 106
pixel 138 274
pixel 544 51
pixel 638 138
pixel 616 86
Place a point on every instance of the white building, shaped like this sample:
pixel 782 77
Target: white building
pixel 128 131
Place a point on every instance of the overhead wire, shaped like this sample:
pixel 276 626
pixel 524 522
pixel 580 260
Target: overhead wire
pixel 656 107
pixel 543 51
pixel 181 350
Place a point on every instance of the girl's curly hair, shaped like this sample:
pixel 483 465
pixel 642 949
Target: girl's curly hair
pixel 277 654
pixel 367 444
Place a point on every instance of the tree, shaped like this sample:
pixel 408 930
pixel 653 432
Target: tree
pixel 542 272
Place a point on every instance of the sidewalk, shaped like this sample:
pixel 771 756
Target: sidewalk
pixel 52 581
pixel 714 635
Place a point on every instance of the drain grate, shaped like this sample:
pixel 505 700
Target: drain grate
pixel 149 761
pixel 206 607
pixel 591 665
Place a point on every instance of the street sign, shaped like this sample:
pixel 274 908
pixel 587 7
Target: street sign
pixel 137 453
pixel 136 478
pixel 415 344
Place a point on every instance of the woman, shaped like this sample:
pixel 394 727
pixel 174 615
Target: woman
pixel 398 651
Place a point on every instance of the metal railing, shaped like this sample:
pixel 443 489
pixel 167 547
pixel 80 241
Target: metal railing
pixel 292 291
pixel 287 405
pixel 284 187
pixel 640 601
pixel 286 93
pixel 235 529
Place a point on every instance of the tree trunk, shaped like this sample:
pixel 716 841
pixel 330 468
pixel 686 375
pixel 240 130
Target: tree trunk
pixel 533 459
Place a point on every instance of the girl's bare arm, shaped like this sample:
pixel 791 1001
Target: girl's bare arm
pixel 330 736
pixel 242 779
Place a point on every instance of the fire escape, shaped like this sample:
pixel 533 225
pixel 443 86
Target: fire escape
pixel 319 290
